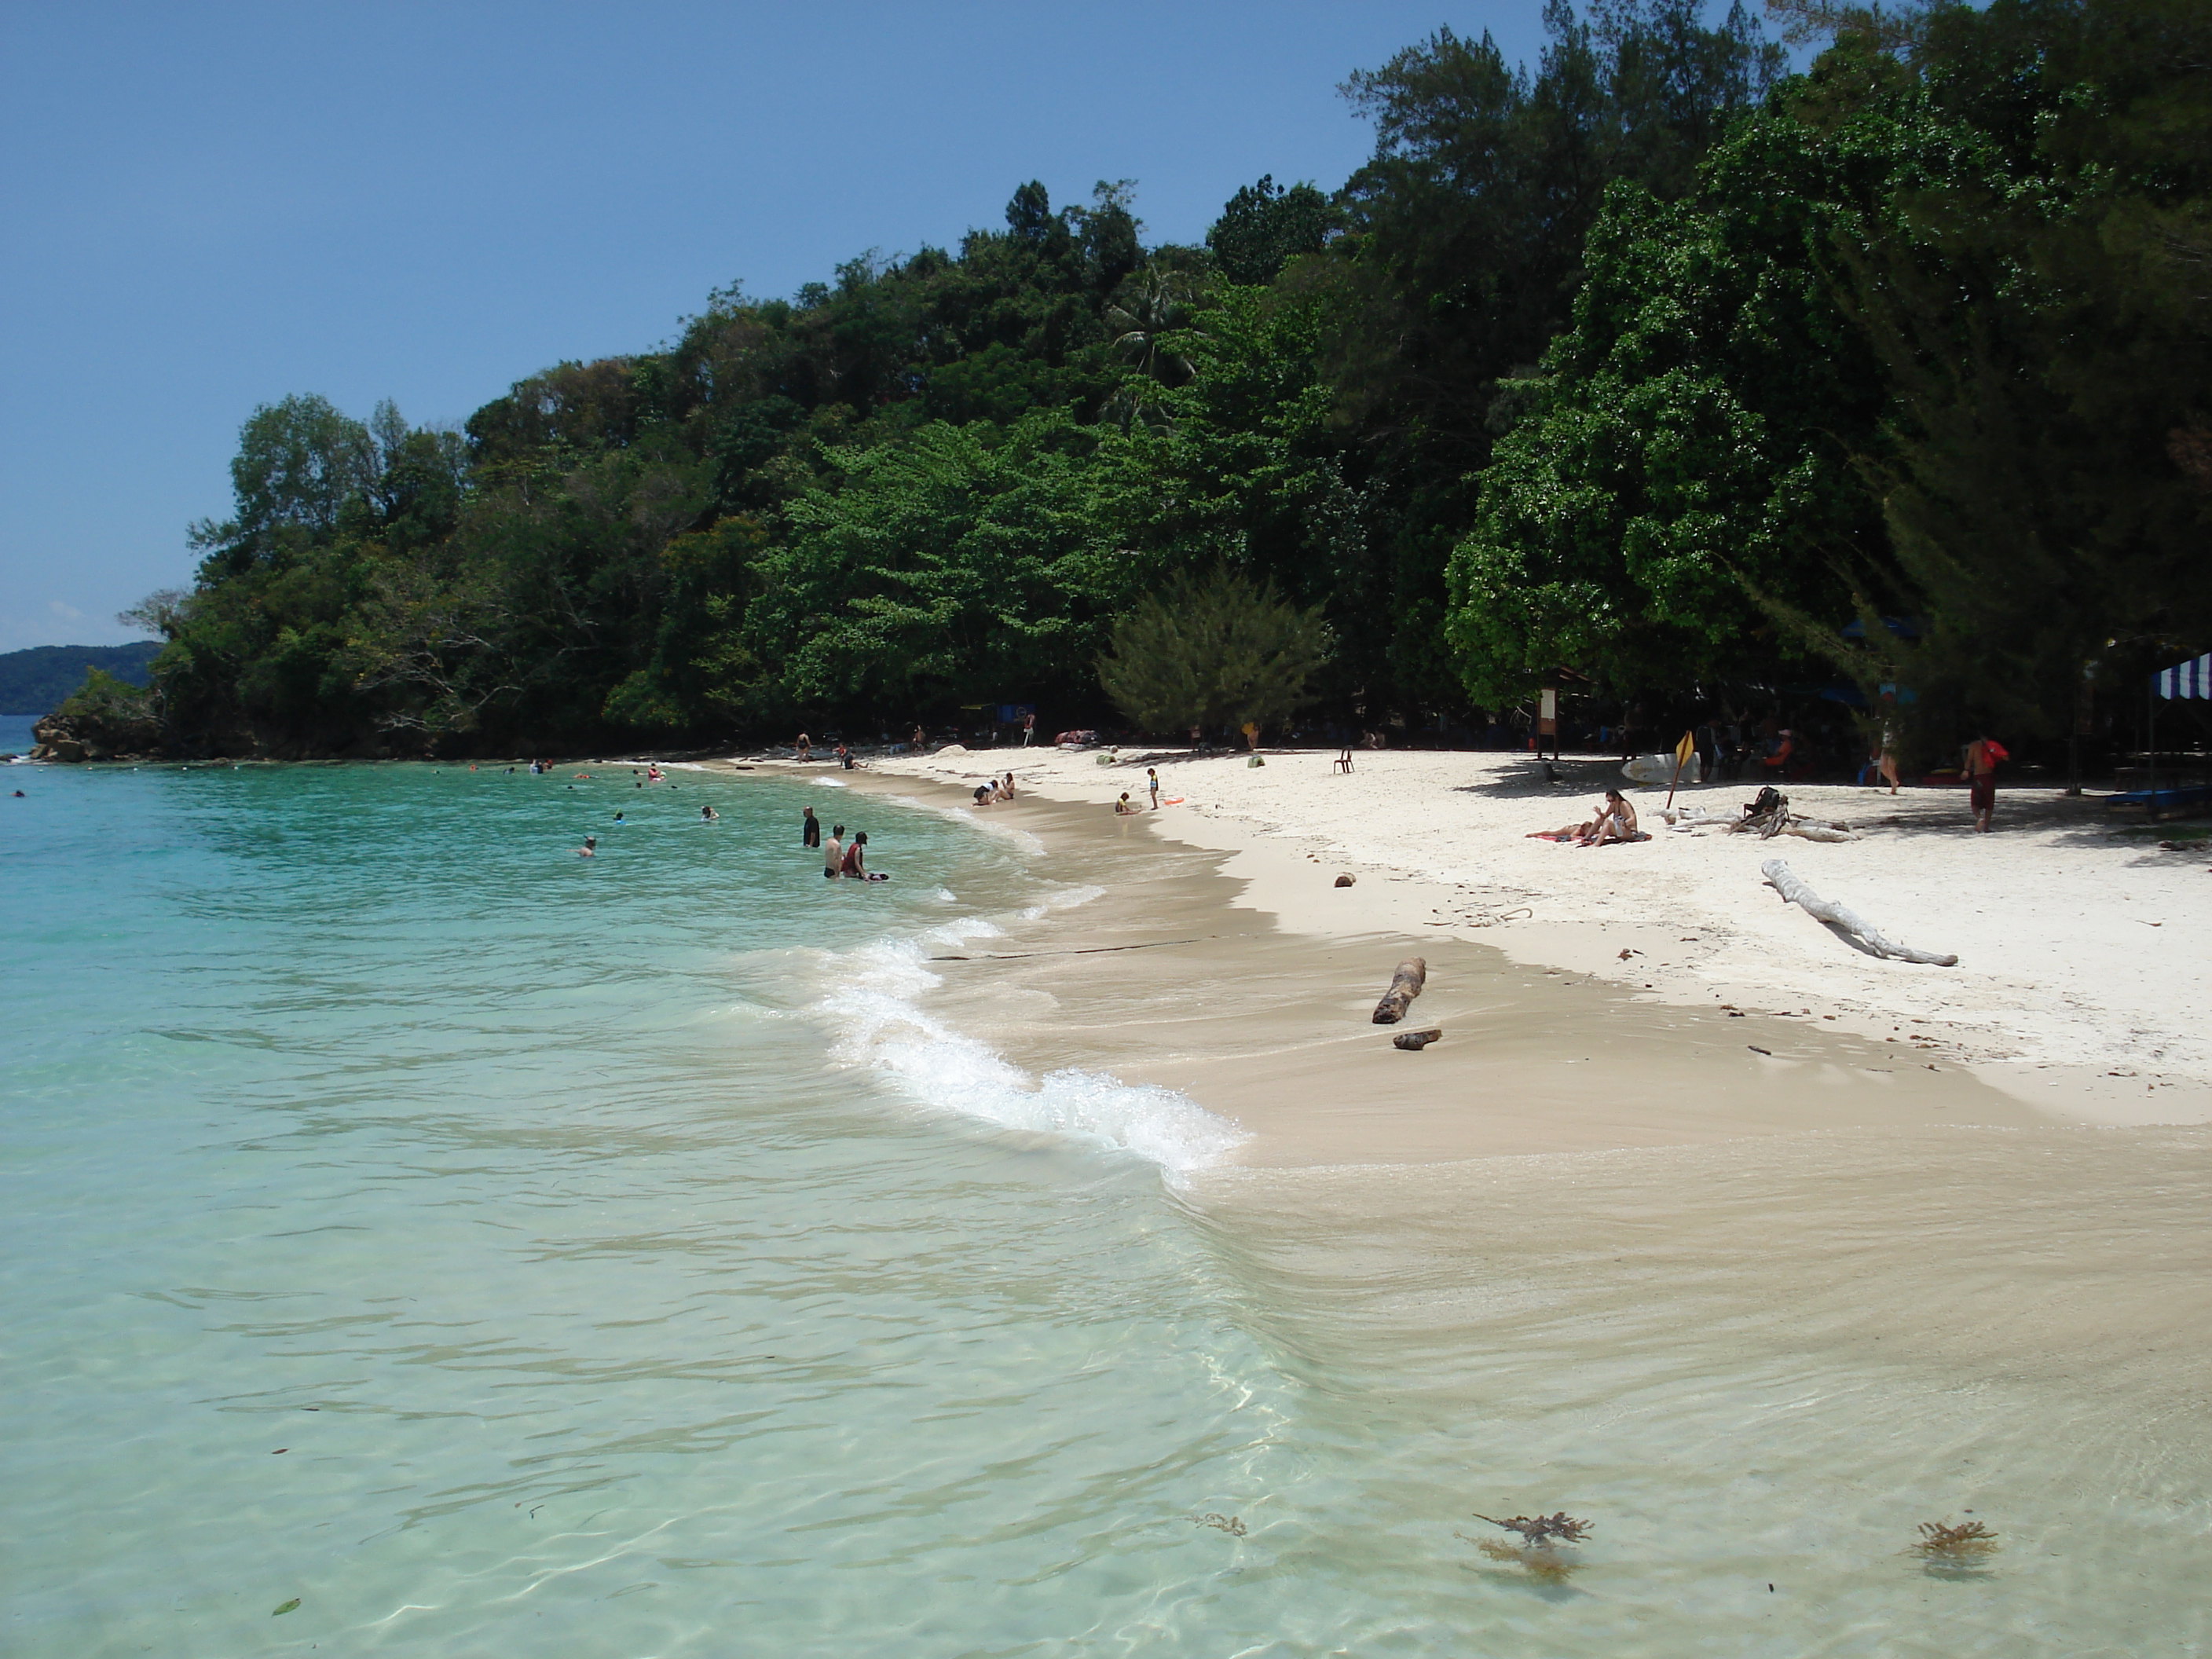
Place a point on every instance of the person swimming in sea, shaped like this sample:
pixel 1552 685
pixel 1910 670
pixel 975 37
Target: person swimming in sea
pixel 708 814
pixel 590 848
pixel 855 864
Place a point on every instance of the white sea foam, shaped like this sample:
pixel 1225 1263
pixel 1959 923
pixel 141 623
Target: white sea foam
pixel 829 783
pixel 973 820
pixel 874 1007
pixel 1065 898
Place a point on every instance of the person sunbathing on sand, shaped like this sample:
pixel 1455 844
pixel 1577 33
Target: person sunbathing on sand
pixel 1615 821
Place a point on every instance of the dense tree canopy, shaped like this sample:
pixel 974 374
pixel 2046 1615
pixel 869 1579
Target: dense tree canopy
pixel 1645 361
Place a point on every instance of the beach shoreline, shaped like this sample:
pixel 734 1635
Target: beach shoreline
pixel 1688 1026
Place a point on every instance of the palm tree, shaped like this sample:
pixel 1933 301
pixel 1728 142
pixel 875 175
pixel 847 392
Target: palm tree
pixel 1148 307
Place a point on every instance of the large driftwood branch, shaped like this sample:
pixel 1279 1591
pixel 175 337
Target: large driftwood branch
pixel 1785 881
pixel 1405 984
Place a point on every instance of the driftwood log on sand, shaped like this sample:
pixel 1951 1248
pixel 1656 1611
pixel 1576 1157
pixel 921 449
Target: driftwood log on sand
pixel 1785 881
pixel 1405 984
pixel 1414 1042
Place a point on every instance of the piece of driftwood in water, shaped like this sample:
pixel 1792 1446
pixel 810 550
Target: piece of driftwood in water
pixel 1405 984
pixel 1785 881
pixel 1414 1042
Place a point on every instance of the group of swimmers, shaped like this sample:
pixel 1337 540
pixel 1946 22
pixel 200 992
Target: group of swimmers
pixel 653 774
pixel 840 857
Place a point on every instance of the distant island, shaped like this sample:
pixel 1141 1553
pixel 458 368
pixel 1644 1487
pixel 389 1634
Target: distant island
pixel 35 681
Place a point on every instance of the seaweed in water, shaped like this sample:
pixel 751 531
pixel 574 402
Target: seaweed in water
pixel 1541 1530
pixel 1967 1545
pixel 1231 1524
pixel 1537 1551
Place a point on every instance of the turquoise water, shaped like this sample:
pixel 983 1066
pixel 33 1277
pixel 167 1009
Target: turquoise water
pixel 419 1240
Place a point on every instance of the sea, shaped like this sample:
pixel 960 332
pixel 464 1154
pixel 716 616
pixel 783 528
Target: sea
pixel 421 1240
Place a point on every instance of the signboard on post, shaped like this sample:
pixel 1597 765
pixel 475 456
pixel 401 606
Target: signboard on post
pixel 1683 751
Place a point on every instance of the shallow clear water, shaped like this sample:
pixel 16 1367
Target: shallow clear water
pixel 495 1251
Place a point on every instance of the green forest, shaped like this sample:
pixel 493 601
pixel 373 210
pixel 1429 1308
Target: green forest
pixel 1651 369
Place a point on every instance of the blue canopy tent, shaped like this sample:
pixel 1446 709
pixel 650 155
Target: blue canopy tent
pixel 2191 679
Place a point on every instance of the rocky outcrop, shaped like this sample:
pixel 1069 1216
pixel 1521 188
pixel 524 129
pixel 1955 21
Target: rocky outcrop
pixel 116 735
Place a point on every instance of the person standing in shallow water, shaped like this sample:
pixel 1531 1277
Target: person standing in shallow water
pixel 809 830
pixel 833 851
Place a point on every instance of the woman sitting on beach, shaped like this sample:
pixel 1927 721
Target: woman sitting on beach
pixel 1616 821
pixel 1005 790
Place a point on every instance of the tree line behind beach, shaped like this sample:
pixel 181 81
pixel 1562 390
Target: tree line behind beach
pixel 1649 362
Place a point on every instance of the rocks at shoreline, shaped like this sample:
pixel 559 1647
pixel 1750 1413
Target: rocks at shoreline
pixel 87 737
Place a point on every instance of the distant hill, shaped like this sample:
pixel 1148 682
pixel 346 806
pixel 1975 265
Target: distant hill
pixel 35 681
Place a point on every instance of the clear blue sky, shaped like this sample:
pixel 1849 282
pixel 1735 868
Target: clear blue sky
pixel 207 206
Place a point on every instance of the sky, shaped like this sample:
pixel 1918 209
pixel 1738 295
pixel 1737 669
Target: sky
pixel 207 207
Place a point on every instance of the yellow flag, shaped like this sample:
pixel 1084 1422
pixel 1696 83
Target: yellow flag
pixel 1684 750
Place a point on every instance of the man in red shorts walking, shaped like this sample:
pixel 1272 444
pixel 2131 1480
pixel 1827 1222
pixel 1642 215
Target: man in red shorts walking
pixel 1983 755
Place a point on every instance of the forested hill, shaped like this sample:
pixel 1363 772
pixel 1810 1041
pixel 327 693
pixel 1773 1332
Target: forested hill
pixel 35 681
pixel 1646 369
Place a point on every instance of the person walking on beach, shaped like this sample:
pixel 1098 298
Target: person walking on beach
pixel 805 747
pixel 1153 783
pixel 1028 728
pixel 810 829
pixel 833 852
pixel 1983 755
pixel 1885 757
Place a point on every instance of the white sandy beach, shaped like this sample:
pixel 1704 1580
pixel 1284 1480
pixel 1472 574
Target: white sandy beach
pixel 2084 954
